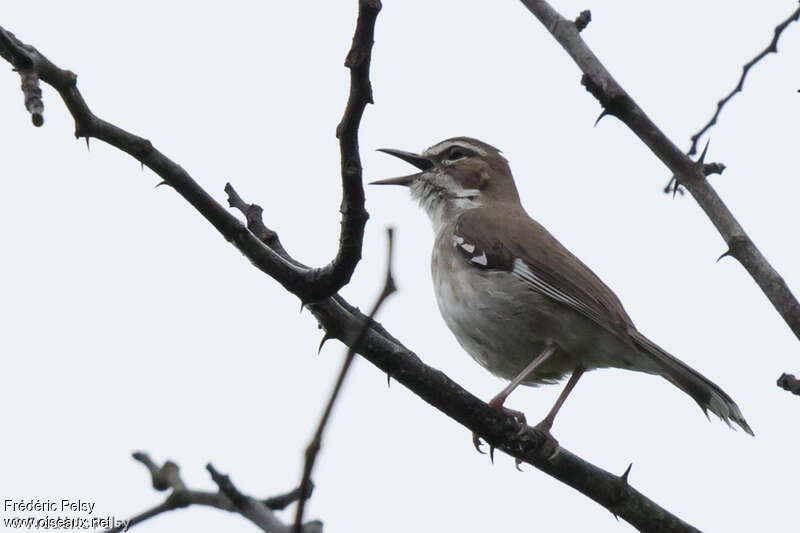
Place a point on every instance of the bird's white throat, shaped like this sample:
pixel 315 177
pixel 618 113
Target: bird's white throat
pixel 442 197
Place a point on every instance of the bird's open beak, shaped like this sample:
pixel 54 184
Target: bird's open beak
pixel 422 163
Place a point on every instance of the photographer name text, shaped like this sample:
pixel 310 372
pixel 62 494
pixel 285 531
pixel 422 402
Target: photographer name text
pixel 48 506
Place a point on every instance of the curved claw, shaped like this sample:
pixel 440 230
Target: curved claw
pixel 519 416
pixel 476 441
pixel 491 453
pixel 517 462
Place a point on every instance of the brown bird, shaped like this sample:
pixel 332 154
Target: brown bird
pixel 518 302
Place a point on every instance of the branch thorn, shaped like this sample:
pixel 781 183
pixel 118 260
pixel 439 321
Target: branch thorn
pixel 703 155
pixel 676 188
pixel 603 114
pixel 624 476
pixel 325 338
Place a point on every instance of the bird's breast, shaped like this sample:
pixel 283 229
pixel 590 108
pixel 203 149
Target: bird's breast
pixel 500 323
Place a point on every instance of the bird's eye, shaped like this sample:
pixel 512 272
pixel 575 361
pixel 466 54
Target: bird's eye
pixel 456 153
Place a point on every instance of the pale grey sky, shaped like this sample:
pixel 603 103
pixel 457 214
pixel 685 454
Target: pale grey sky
pixel 129 324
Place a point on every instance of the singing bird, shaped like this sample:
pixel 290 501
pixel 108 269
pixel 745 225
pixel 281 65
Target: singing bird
pixel 518 301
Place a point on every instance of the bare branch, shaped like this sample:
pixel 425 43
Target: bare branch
pixel 33 96
pixel 329 279
pixel 344 322
pixel 164 477
pixel 341 321
pixel 772 48
pixel 691 174
pixel 30 79
pixel 167 477
pixel 316 442
pixel 253 215
pixel 254 510
pixel 88 125
pixel 282 501
pixel 307 284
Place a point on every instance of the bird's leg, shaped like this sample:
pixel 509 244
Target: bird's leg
pixel 500 398
pixel 547 423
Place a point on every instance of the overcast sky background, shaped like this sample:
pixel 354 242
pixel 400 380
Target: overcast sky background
pixel 129 324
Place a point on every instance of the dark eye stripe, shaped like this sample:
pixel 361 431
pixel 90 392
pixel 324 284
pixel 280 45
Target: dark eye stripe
pixel 456 153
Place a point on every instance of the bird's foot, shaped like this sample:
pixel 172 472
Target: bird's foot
pixel 519 416
pixel 549 446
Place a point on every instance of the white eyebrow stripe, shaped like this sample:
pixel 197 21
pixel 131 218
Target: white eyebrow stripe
pixel 437 149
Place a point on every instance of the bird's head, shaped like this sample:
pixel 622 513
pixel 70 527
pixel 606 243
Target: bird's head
pixel 457 174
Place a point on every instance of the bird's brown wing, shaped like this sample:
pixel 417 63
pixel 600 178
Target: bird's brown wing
pixel 528 251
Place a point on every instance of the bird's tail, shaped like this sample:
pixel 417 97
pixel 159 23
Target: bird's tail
pixel 707 395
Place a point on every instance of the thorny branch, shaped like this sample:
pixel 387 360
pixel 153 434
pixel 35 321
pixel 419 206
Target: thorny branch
pixel 30 80
pixel 228 498
pixel 316 442
pixel 344 322
pixel 691 174
pixel 327 280
pixel 308 284
pixel 772 48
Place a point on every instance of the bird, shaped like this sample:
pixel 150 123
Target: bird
pixel 516 299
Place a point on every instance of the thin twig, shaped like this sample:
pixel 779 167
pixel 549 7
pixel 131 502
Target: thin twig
pixel 33 95
pixel 308 284
pixel 282 501
pixel 229 498
pixel 691 174
pixel 672 185
pixel 343 321
pixel 327 280
pixel 24 65
pixel 316 442
pixel 772 48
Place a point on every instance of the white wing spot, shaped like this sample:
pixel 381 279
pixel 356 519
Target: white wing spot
pixel 469 248
pixel 457 240
pixel 481 259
